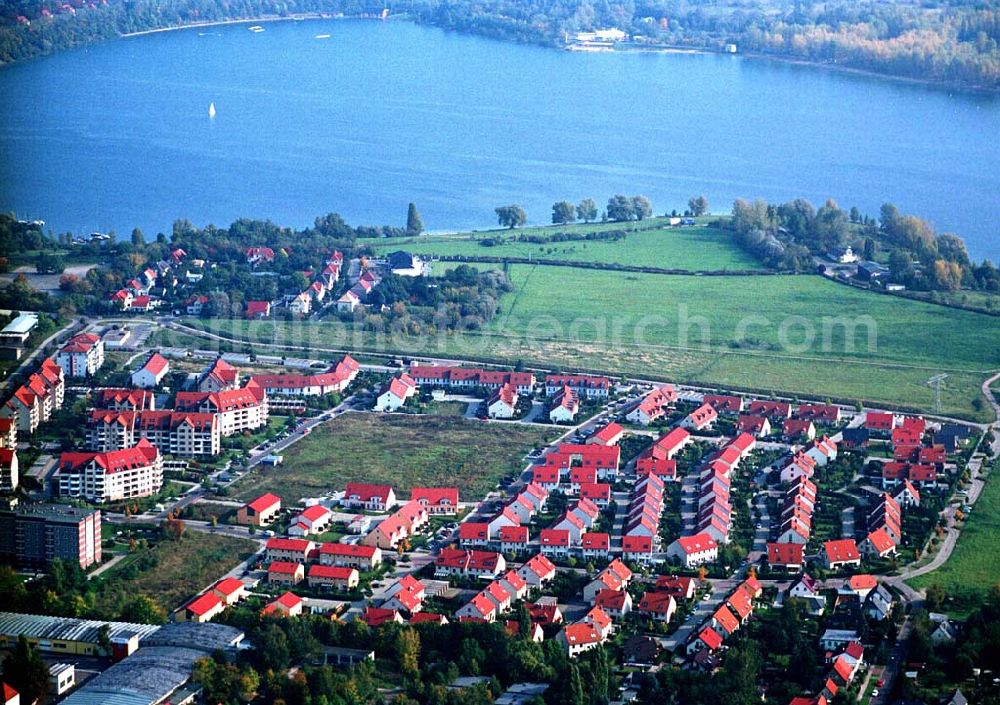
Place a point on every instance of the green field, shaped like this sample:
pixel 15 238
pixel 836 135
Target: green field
pixel 181 568
pixel 690 248
pixel 402 450
pixel 973 567
pixel 772 332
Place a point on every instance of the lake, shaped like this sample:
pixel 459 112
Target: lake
pixel 379 114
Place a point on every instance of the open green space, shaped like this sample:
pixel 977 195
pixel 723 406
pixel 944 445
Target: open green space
pixel 172 571
pixel 799 334
pixel 687 248
pixel 972 569
pixel 401 450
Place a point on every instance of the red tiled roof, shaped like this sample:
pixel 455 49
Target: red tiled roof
pixel 595 541
pixel 696 543
pixel 841 550
pixel 204 604
pixel 347 549
pixel 333 572
pixel 554 537
pixel 265 501
pixel 228 586
pixel 436 495
pixel 712 638
pixel 785 553
pixel 284 567
pixel 513 534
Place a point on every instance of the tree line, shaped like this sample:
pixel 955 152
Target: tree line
pixel 789 235
pixel 937 39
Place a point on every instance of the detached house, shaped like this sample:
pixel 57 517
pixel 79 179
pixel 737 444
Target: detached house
pixel 565 406
pixel 437 500
pixel 375 498
pixel 841 553
pixel 395 393
pixel 502 404
pixel 701 418
pixel 261 511
pixel 151 373
pixel 694 550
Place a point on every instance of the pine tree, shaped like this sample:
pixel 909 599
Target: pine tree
pixel 414 224
pixel 25 671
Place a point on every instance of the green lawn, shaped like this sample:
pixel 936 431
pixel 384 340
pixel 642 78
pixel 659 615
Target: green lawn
pixel 402 450
pixel 745 332
pixel 973 567
pixel 180 569
pixel 689 248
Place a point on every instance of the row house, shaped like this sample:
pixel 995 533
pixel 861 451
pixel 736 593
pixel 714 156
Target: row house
pixel 841 553
pixel 823 414
pixel 568 457
pixel 658 458
pixel 406 595
pixel 334 381
pixel 653 406
pixel 644 508
pixel 724 403
pixel 8 433
pixel 403 523
pixel 773 410
pixel 695 550
pixel 437 500
pixel 796 509
pixel 616 576
pixel 478 564
pixel 798 429
pixel 110 477
pixel 332 577
pixel 289 550
pixel 468 378
pixel 588 386
pixel 359 556
pixel 821 450
pixel 374 498
pixel 919 474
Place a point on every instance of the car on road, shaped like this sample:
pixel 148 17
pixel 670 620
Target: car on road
pixel 880 682
pixel 875 693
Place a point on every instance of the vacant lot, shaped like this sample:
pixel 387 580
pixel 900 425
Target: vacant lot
pixel 973 568
pixel 690 248
pixel 404 451
pixel 179 568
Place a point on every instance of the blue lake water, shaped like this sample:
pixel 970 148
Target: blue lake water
pixel 118 135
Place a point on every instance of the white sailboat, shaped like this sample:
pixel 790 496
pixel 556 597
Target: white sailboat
pixel 211 110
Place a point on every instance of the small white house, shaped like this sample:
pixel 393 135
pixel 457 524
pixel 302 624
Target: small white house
pixel 151 372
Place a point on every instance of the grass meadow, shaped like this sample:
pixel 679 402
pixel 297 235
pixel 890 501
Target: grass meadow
pixel 394 449
pixel 803 335
pixel 973 568
pixel 689 248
